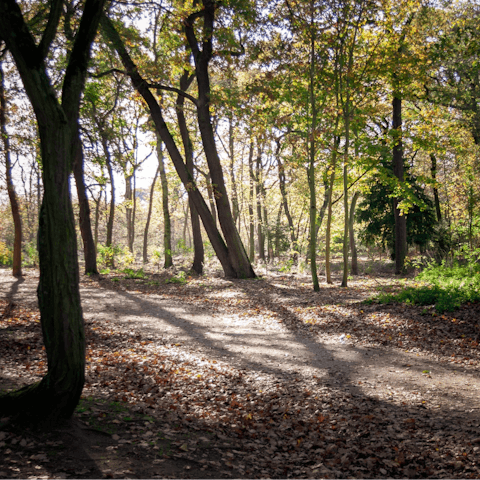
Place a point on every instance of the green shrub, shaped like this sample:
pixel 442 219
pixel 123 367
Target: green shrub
pixel 180 278
pixel 130 273
pixel 6 254
pixel 446 287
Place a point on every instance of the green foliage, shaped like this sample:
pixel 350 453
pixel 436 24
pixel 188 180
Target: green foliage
pixel 135 274
pixel 180 278
pixel 6 254
pixel 31 253
pixel 182 246
pixel 376 212
pixel 446 287
pixel 108 254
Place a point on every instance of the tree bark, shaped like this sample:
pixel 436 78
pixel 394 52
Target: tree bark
pixel 251 237
pixel 167 227
pixel 260 219
pixel 433 169
pixel 199 253
pixel 14 205
pixel 398 171
pixel 111 215
pixel 57 394
pixel 328 272
pixel 236 251
pixel 89 248
pixel 149 216
pixel 353 244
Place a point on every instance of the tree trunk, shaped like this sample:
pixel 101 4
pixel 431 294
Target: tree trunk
pixel 260 219
pixel 311 168
pixel 398 170
pixel 129 210
pixel 167 228
pixel 433 158
pixel 111 216
pixel 89 249
pixel 57 394
pixel 231 152
pixel 236 251
pixel 15 207
pixel 283 192
pixel 251 237
pixel 199 253
pixel 328 273
pixel 345 199
pixel 149 216
pixel 353 244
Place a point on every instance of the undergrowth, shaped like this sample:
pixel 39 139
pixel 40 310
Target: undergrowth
pixel 446 287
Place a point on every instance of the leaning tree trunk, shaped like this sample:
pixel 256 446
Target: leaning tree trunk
pixel 236 251
pixel 57 394
pixel 17 219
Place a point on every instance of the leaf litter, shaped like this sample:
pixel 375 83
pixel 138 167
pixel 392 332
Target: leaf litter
pixel 157 407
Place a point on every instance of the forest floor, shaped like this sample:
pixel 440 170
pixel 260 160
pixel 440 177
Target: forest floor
pixel 216 378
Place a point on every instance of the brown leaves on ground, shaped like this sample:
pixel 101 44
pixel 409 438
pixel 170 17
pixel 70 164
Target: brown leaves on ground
pixel 172 412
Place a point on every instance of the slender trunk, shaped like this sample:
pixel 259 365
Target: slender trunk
pixel 311 169
pixel 433 158
pixel 398 170
pixel 129 210
pixel 185 223
pixel 231 147
pixel 353 244
pixel 134 208
pixel 111 216
pixel 277 230
pixel 251 242
pixel 345 200
pixel 97 218
pixel 15 207
pixel 260 220
pixel 167 229
pixel 211 199
pixel 149 216
pixel 89 250
pixel 283 192
pixel 328 273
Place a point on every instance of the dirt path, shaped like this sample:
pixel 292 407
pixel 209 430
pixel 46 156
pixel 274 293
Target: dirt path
pixel 394 392
pixel 267 346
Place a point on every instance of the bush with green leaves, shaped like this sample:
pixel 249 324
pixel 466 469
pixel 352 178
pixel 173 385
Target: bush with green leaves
pixel 6 254
pixel 446 287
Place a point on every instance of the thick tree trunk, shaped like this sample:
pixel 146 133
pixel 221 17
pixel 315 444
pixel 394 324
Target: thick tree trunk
pixel 167 227
pixel 199 253
pixel 89 246
pixel 149 216
pixel 398 170
pixel 58 393
pixel 15 207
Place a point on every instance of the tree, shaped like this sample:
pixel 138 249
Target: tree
pixel 57 394
pixel 14 204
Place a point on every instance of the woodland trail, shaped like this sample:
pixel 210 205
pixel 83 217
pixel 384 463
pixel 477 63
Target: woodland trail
pixel 263 344
pixel 399 380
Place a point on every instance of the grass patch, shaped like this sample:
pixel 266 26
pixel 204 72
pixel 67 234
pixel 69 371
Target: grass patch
pixel 446 287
